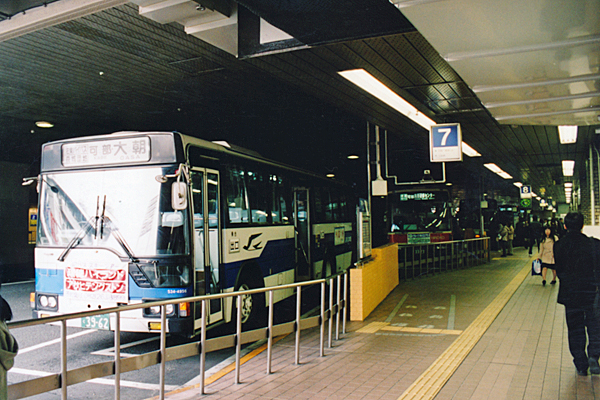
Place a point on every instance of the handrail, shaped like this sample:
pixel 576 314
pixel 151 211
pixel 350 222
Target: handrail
pixel 65 378
pixel 418 259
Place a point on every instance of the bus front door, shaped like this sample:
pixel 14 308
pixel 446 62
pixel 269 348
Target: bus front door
pixel 302 226
pixel 205 199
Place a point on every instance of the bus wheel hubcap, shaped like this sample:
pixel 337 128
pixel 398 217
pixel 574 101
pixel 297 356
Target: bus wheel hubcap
pixel 246 303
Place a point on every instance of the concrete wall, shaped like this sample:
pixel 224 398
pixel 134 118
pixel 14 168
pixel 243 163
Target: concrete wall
pixel 16 255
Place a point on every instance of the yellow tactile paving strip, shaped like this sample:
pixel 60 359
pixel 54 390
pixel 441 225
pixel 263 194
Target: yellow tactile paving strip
pixel 435 377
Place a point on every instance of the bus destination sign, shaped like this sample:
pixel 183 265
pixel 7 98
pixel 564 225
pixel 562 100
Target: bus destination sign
pixel 106 152
pixel 417 196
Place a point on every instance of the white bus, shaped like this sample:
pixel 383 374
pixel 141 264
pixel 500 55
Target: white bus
pixel 133 217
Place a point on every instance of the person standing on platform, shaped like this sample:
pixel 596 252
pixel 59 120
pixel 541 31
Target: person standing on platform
pixel 503 239
pixel 535 234
pixel 8 347
pixel 546 255
pixel 526 234
pixel 576 257
pixel 510 237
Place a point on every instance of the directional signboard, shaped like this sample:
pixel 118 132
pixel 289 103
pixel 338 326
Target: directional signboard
pixel 445 143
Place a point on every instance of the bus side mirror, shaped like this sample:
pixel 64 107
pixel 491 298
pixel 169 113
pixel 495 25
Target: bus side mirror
pixel 179 196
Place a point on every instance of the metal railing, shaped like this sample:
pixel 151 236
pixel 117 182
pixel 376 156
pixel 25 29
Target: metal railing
pixel 65 378
pixel 416 260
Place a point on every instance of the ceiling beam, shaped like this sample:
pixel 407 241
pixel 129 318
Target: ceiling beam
pixel 52 14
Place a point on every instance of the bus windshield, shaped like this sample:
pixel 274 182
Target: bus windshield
pixel 420 212
pixel 125 210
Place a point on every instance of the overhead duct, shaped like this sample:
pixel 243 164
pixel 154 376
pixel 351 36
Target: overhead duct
pixel 212 21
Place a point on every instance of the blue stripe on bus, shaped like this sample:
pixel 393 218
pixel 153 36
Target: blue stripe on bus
pixel 138 293
pixel 276 257
pixel 49 281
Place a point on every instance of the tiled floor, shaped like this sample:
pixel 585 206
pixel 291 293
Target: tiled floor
pixel 521 354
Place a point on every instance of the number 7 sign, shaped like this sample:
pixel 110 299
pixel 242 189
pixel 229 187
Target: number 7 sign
pixel 445 143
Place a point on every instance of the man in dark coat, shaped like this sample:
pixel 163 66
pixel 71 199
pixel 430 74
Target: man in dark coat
pixel 576 269
pixel 535 234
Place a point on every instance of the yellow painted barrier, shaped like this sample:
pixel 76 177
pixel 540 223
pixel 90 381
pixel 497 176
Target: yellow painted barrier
pixel 371 282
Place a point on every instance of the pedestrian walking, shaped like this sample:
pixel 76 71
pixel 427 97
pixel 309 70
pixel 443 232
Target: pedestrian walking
pixel 535 234
pixel 576 257
pixel 546 255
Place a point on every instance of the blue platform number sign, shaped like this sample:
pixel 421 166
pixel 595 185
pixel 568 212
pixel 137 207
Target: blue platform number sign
pixel 445 143
pixel 526 192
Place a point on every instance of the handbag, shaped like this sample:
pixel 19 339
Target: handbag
pixel 536 267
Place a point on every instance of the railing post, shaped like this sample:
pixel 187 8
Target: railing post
pixel 345 301
pixel 238 338
pixel 63 359
pixel 270 333
pixel 298 315
pixel 322 327
pixel 337 308
pixel 330 310
pixel 163 349
pixel 117 355
pixel 202 346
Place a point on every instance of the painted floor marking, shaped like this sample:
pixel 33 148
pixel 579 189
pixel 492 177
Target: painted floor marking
pixel 427 386
pixel 395 311
pixel 407 329
pixel 110 351
pixel 100 381
pixel 55 341
pixel 373 327
pixel 452 312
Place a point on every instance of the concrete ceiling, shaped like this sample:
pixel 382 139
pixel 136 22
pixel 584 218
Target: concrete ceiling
pixel 92 66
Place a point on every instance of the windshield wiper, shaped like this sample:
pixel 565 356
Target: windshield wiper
pixel 77 238
pixel 119 238
pixel 92 224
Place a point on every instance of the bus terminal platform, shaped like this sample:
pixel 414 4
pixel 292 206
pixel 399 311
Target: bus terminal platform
pixel 485 332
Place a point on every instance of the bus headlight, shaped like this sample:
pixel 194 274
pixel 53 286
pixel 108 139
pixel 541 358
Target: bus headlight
pixel 47 302
pixel 154 311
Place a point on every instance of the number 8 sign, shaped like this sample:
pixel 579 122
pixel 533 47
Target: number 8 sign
pixel 445 143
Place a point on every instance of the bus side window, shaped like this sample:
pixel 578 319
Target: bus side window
pixel 318 205
pixel 343 208
pixel 236 196
pixel 257 192
pixel 278 204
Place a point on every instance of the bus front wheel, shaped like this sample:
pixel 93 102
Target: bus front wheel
pixel 253 306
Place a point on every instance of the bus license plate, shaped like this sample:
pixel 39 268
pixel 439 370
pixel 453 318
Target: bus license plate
pixel 96 322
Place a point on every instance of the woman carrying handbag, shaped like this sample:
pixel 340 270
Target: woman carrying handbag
pixel 546 255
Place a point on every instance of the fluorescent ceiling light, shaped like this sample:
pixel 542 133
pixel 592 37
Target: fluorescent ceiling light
pixel 568 184
pixel 44 124
pixel 352 157
pixel 496 169
pixel 493 167
pixel 468 150
pixel 567 134
pixel 370 84
pixel 518 184
pixel 330 175
pixel 568 166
